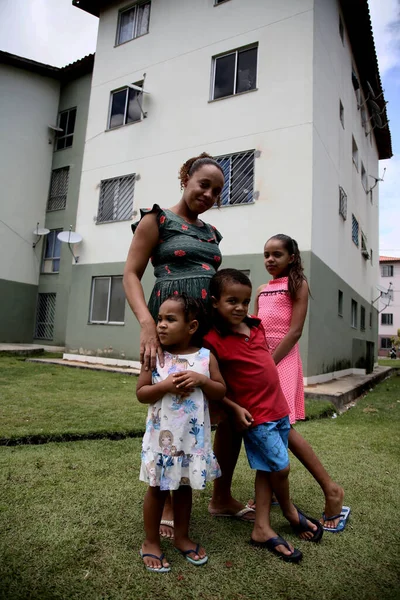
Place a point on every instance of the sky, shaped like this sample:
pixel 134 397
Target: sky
pixel 55 32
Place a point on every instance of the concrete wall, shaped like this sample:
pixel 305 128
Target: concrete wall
pixel 73 94
pixel 332 159
pixel 28 105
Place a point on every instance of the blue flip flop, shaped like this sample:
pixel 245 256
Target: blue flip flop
pixel 160 558
pixel 197 563
pixel 272 543
pixel 343 517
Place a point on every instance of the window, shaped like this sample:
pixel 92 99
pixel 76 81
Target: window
pixel 364 179
pixel 387 270
pixel 239 178
pixel 362 318
pixel 133 22
pixel 341 113
pixel 216 2
pixel 341 29
pixel 108 300
pixel 45 312
pixel 52 252
pixel 364 249
pixel 235 72
pixel 125 107
pixel 370 319
pixel 387 319
pixel 355 153
pixel 116 199
pixel 386 343
pixel 354 230
pixel 66 122
pixel 371 256
pixel 342 203
pixel 356 84
pixel 58 189
pixel 340 303
pixel 354 309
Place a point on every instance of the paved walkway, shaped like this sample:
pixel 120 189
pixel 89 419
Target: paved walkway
pixel 86 365
pixel 29 348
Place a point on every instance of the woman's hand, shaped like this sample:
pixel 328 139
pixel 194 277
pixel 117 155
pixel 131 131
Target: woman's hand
pixel 150 346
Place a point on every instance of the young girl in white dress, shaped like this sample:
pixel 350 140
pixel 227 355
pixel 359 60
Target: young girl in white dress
pixel 176 450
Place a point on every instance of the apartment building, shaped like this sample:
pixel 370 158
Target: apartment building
pixel 388 303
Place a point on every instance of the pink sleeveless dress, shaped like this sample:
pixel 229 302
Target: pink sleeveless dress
pixel 275 311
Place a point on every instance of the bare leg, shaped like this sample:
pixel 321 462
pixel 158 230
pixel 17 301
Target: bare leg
pixel 227 448
pixel 262 526
pixel 182 499
pixel 333 493
pixel 280 483
pixel 152 509
pixel 167 531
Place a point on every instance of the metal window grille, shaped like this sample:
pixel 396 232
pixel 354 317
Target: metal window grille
pixel 66 121
pixel 133 22
pixel 107 304
pixel 342 203
pixel 239 178
pixel 387 319
pixel 58 189
pixel 45 313
pixel 362 318
pixel 387 270
pixel 355 231
pixel 116 199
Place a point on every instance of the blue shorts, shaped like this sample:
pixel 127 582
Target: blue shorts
pixel 267 445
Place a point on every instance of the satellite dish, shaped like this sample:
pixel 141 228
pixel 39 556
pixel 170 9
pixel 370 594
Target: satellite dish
pixel 377 120
pixel 55 128
pixel 382 289
pixel 137 88
pixel 375 108
pixel 371 90
pixel 70 237
pixel 39 231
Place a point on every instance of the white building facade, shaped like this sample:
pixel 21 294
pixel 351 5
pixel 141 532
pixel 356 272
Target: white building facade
pixel 389 303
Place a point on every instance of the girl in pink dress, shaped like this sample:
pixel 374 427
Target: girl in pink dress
pixel 282 304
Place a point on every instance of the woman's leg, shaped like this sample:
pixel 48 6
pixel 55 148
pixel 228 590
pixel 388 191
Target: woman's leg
pixel 182 502
pixel 333 493
pixel 152 509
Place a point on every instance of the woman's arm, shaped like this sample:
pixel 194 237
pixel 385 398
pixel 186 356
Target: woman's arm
pixel 258 292
pixel 300 305
pixel 144 241
pixel 213 387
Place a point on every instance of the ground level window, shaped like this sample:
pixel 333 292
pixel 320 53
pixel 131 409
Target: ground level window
pixel 354 310
pixel 239 178
pixel 107 301
pixel 386 343
pixel 45 313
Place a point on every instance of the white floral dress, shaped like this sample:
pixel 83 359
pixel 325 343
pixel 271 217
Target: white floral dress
pixel 176 448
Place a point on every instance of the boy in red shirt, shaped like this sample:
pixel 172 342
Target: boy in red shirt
pixel 259 408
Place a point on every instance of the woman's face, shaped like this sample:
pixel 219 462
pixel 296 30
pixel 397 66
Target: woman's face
pixel 203 189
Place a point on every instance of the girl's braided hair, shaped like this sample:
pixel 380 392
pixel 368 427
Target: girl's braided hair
pixel 194 164
pixel 296 272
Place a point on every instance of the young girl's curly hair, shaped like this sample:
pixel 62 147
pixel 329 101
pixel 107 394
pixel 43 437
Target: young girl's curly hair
pixel 194 164
pixel 296 272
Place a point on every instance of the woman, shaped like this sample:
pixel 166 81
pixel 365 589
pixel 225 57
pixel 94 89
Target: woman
pixel 185 255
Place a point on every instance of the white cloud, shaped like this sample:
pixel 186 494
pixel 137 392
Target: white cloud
pixel 385 16
pixel 389 208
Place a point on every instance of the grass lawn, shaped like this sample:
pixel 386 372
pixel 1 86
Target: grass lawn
pixel 388 362
pixel 70 512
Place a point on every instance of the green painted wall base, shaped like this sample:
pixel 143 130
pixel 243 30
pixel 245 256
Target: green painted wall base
pixel 328 343
pixel 18 305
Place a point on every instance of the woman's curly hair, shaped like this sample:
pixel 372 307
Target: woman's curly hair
pixel 194 164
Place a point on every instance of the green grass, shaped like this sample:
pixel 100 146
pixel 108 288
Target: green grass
pixel 42 402
pixel 70 515
pixel 388 362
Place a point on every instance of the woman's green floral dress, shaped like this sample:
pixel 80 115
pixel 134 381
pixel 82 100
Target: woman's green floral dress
pixel 186 258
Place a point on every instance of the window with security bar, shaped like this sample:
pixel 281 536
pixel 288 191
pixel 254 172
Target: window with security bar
pixel 355 231
pixel 45 314
pixel 125 106
pixel 58 189
pixel 133 22
pixel 387 319
pixel 362 318
pixel 107 303
pixel 66 122
pixel 387 271
pixel 238 172
pixel 116 199
pixel 52 252
pixel 234 72
pixel 342 203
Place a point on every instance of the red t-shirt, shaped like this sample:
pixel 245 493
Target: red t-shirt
pixel 249 372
